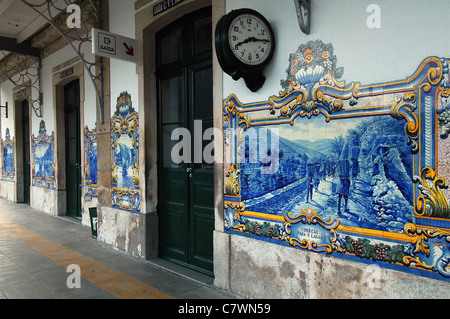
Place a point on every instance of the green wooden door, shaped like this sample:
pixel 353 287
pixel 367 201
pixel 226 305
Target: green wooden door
pixel 26 151
pixel 185 188
pixel 73 148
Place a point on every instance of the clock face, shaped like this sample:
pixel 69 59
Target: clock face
pixel 250 39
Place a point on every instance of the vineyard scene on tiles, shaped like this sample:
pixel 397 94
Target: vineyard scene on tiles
pixel 353 167
pixel 357 170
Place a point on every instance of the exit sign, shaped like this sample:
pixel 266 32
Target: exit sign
pixel 114 46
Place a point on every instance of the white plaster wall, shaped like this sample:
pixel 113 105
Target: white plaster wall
pixel 410 31
pixel 6 95
pixel 90 98
pixel 48 113
pixel 90 109
pixel 123 73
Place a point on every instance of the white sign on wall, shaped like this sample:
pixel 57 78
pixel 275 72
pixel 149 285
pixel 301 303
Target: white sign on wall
pixel 114 46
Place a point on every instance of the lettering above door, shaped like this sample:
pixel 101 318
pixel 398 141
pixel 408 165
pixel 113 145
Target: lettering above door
pixel 164 6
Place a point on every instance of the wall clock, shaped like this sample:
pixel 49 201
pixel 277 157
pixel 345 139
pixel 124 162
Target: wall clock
pixel 245 44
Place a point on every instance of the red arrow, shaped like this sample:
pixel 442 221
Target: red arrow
pixel 130 50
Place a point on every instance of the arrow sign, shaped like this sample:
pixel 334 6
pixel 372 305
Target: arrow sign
pixel 130 50
pixel 115 46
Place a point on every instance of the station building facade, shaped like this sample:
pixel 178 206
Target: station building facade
pixel 329 176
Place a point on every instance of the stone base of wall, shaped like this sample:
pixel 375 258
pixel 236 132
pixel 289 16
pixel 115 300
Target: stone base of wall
pixel 8 191
pixel 135 234
pixel 49 201
pixel 256 269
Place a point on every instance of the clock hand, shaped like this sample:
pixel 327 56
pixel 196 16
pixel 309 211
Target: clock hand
pixel 251 39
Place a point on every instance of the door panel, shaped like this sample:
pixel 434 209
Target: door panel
pixel 202 35
pixel 202 222
pixel 186 188
pixel 202 80
pixel 202 178
pixel 73 148
pixel 174 202
pixel 172 99
pixel 26 151
pixel 171 47
pixel 173 186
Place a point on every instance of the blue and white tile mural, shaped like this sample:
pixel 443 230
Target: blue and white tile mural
pixel 90 147
pixel 8 163
pixel 43 163
pixel 344 169
pixel 125 156
pixel 356 170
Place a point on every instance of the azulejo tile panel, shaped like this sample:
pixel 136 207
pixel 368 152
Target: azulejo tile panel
pixel 349 170
pixel 8 163
pixel 125 156
pixel 43 163
pixel 90 147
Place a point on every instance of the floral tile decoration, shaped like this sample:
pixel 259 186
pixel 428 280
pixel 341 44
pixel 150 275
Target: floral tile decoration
pixel 125 156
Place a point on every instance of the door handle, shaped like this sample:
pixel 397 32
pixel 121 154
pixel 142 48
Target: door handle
pixel 189 170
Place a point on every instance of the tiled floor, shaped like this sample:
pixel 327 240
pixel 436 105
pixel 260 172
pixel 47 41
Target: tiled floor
pixel 36 250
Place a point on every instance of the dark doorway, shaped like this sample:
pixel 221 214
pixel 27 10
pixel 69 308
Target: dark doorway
pixel 26 151
pixel 73 148
pixel 186 189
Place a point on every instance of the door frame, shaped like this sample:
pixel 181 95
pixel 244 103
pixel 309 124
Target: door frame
pixel 77 73
pixel 147 25
pixel 26 179
pixel 19 151
pixel 74 108
pixel 184 68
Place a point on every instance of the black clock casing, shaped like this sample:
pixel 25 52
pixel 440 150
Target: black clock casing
pixel 250 65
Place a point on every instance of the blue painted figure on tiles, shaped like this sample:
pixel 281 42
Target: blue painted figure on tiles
pixel 124 157
pixel 93 163
pixel 8 158
pixel 125 145
pixel 44 161
pixel 344 186
pixel 43 167
pixel 310 182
